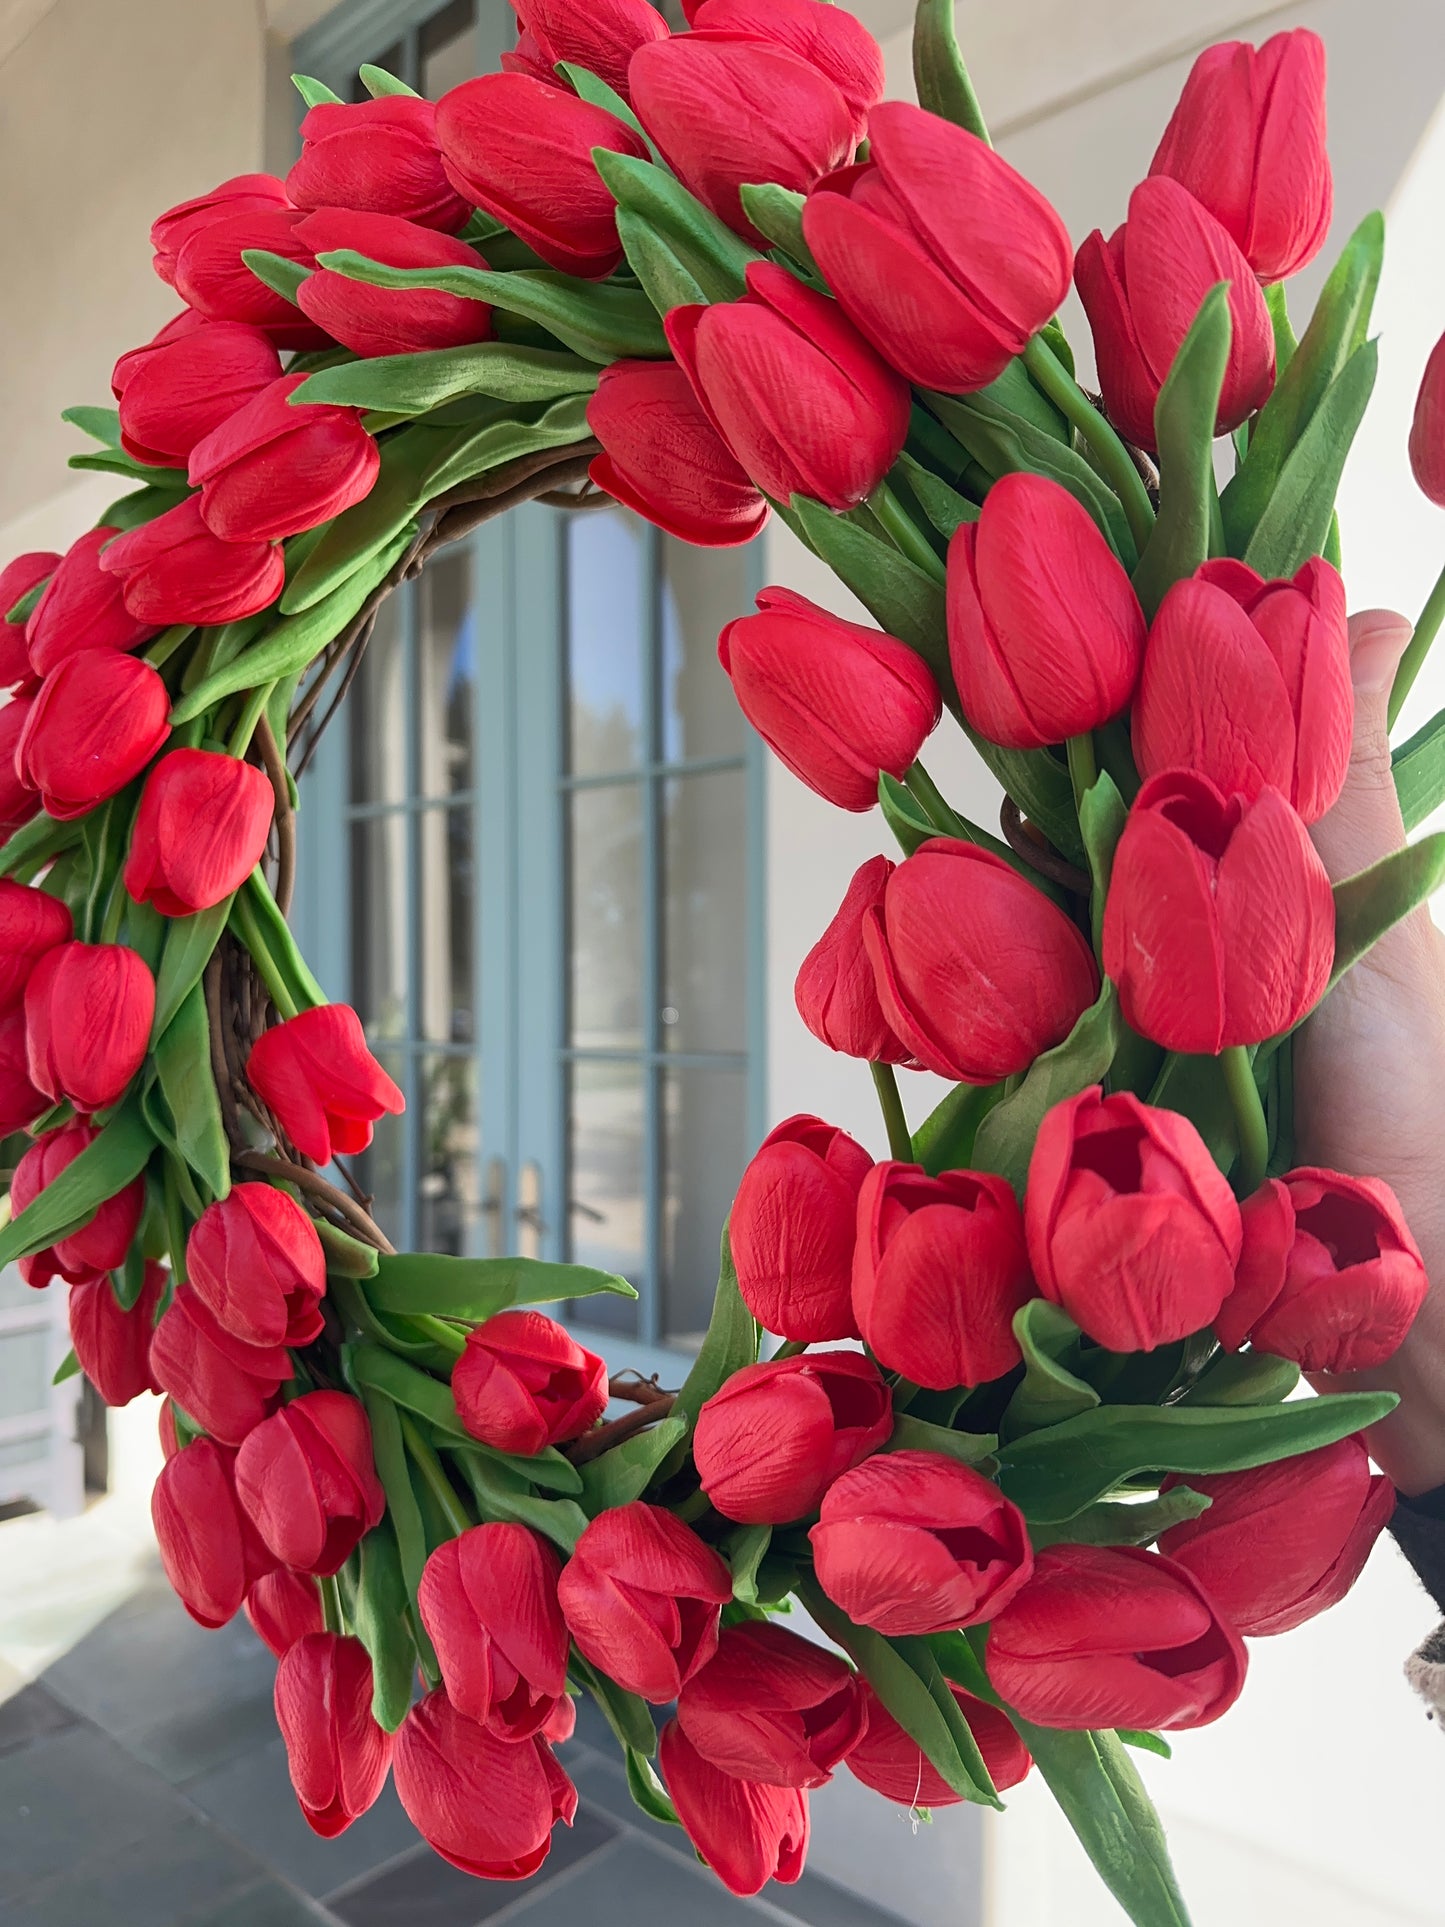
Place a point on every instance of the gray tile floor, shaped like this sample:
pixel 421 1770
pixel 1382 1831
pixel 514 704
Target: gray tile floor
pixel 142 1784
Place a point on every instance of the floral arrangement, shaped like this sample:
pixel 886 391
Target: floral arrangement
pixel 1026 1456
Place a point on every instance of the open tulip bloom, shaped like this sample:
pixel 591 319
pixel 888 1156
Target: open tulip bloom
pixel 1007 1410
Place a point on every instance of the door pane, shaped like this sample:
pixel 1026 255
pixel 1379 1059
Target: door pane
pixel 379 926
pixel 448 912
pixel 607 611
pixel 704 1005
pixel 447 675
pixel 702 589
pixel 448 48
pixel 704 1117
pixel 24 1380
pixel 607 1194
pixel 377 706
pixel 605 858
pixel 449 1200
pixel 381 1167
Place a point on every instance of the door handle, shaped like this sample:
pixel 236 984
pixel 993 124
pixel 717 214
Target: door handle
pixel 494 1205
pixel 528 1214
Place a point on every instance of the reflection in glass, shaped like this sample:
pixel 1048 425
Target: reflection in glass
pixel 377 710
pixel 704 1119
pixel 606 640
pixel 447 674
pixel 704 1002
pixel 702 589
pixel 605 868
pixel 448 909
pixel 607 1194
pixel 381 1168
pixel 448 48
pixel 448 1190
pixel 379 924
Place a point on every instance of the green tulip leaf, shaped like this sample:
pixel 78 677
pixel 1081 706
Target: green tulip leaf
pixel 592 88
pixel 1102 816
pixel 475 1289
pixel 1185 417
pixel 1244 1378
pixel 1122 1522
pixel 1005 1139
pixel 944 1140
pixel 406 385
pixel 744 1548
pixel 647 1790
pixel 1154 1743
pixel 105 1167
pixel 381 1622
pixel 1050 1390
pixel 917 1435
pixel 777 212
pixel 1194 1086
pixel 629 1716
pixel 190 943
pixel 939 74
pixel 1419 770
pixel 402 1511
pixel 730 1344
pixel 140 506
pixel 507 1496
pixel 69 1367
pixel 22 610
pixel 1297 521
pixel 346 1257
pixel 101 424
pixel 115 461
pixel 1374 901
pixel 715 257
pixel 904 814
pixel 38 842
pixel 375 1369
pixel 315 93
pixel 910 605
pixel 183 1072
pixel 1056 1474
pixel 379 83
pixel 623 1474
pixel 946 509
pixel 281 275
pixel 667 281
pixel 128 1280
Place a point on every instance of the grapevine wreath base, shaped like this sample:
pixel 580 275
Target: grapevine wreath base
pixel 1024 1470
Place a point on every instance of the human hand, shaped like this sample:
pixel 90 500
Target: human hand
pixel 1370 1066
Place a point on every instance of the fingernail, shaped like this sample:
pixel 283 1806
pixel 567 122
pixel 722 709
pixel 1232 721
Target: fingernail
pixel 1378 639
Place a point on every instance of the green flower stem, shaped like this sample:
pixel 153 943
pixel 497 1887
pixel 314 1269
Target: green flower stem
pixel 331 1617
pixel 115 909
pixel 1083 765
pixel 175 1221
pixel 430 1467
pixel 1054 380
pixel 446 1336
pixel 245 728
pixel 1431 616
pixel 900 1141
pixel 908 538
pixel 932 801
pixel 1249 1118
pixel 166 645
pixel 694 1507
pixel 790 1348
pixel 247 927
pixel 276 934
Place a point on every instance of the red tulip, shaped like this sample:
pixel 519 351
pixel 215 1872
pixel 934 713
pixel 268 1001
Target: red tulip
pixel 1114 1636
pixel 271 470
pixel 81 608
pixel 489 1601
pixel 747 1833
pixel 175 570
pixel 725 112
pixel 129 365
pixel 795 391
pixel 662 457
pixel 773 1708
pixel 338 1755
pixel 20 1103
pixel 97 721
pixel 283 1607
pixel 827 37
pixel 486 1804
pixel 102 1242
pixel 526 57
pixel 1282 651
pixel 1045 632
pixel 642 1597
pixel 306 1478
pixel 835 701
pixel 324 1086
pixel 212 277
pixel 175 393
pixel 523 1384
pixel 19 799
pixel 1142 289
pixel 88 1013
pixel 31 922
pixel 17 580
pixel 895 1765
pixel 377 157
pixel 602 37
pixel 210 1552
pixel 1220 924
pixel 255 1260
pixel 793 1227
pixel 913 1542
pixel 561 1723
pixel 243 194
pixel 199 832
pixel 225 1385
pixel 1329 1275
pixel 939 1270
pixel 523 151
pixel 1427 431
pixel 777 1435
pixel 836 992
pixel 1285 1541
pixel 945 257
pixel 389 321
pixel 114 1346
pixel 1248 141
pixel 977 971
pixel 1132 1228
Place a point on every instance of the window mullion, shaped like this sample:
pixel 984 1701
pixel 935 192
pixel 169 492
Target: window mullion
pixel 653 938
pixel 412 1122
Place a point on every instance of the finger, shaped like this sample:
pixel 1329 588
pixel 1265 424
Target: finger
pixel 1365 824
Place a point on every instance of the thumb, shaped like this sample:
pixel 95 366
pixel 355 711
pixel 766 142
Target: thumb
pixel 1365 824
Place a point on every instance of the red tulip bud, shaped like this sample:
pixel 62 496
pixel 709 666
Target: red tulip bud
pixel 282 1608
pixel 21 1104
pixel 102 1242
pixel 271 470
pixel 176 392
pixel 804 403
pixel 1281 650
pixel 175 570
pixel 773 1708
pixel 602 37
pixel 837 702
pixel 17 580
pixel 662 457
pixel 338 1755
pixel 378 157
pixel 114 1346
pixel 912 1542
pixel 1114 1636
pixel 747 1833
pixel 1248 141
pixel 1142 289
pixel 388 321
pixel 827 37
pixel 307 1480
pixel 1045 632
pixel 208 1547
pixel 224 1384
pixel 793 1227
pixel 523 1384
pixel 1131 1226
pixel 1329 1275
pixel 19 798
pixel 836 992
pixel 243 194
pixel 1427 431
pixel 489 1601
pixel 947 259
pixel 1220 923
pixel 31 922
pixel 212 277
pixel 255 1260
pixel 199 832
pixel 97 721
pixel 977 971
pixel 324 1086
pixel 777 1435
pixel 895 1765
pixel 88 1014
pixel 81 608
pixel 939 1271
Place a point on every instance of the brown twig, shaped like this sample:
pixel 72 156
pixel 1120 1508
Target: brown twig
pixel 1037 853
pixel 316 1186
pixel 285 816
pixel 602 1439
